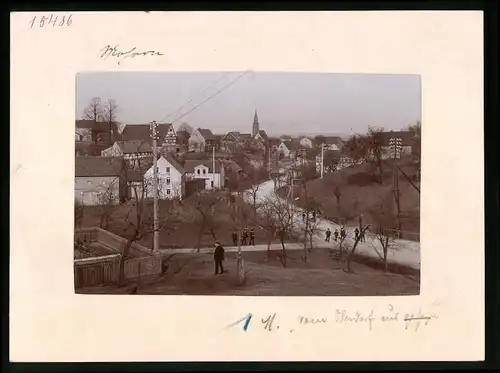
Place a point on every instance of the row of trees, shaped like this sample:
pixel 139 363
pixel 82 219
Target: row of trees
pixel 101 111
pixel 370 148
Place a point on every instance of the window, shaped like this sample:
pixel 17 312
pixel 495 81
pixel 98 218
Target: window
pixel 204 171
pixel 168 181
pixel 212 184
pixel 168 191
pixel 198 171
pixel 168 170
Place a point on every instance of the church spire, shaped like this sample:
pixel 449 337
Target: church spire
pixel 255 128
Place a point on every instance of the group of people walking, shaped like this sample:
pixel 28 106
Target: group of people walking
pixel 342 235
pixel 247 237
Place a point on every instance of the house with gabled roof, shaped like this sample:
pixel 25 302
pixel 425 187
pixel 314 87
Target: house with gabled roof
pixel 333 143
pixel 287 148
pixel 305 142
pixel 201 140
pixel 204 169
pixel 96 132
pixel 167 136
pixel 133 152
pixel 171 178
pixel 99 180
pixel 406 143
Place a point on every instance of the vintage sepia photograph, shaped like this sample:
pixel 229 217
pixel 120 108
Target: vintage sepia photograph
pixel 247 183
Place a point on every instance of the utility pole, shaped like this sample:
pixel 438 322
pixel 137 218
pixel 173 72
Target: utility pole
pixel 396 144
pixel 322 157
pixel 156 232
pixel 213 167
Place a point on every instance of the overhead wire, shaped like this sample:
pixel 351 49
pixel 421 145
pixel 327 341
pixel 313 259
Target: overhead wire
pixel 195 97
pixel 212 96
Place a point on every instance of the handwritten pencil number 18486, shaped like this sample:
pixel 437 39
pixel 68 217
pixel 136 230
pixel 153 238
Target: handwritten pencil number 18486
pixel 52 20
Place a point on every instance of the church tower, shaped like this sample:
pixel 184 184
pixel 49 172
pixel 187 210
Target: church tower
pixel 255 128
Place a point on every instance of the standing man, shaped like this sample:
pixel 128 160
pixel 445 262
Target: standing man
pixel 252 237
pixel 342 233
pixel 218 258
pixel 328 234
pixel 235 238
pixel 336 234
pixel 356 234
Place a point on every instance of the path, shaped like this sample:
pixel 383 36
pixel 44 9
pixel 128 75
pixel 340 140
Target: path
pixel 403 252
pixel 230 249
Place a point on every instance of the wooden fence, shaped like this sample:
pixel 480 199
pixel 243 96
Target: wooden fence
pixel 105 270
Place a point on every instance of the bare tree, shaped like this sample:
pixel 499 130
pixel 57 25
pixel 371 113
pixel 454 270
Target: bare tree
pixel 350 254
pixel 385 221
pixel 185 127
pixel 337 192
pixel 251 194
pixel 106 199
pixel 416 135
pixel 94 111
pixel 205 203
pixel 279 215
pixel 109 115
pixel 139 221
pixel 79 209
pixel 375 151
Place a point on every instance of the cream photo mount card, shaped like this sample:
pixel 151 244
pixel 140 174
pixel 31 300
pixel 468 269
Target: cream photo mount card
pixel 220 95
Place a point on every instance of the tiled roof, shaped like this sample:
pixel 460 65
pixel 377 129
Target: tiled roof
pixel 89 149
pixel 206 133
pixel 335 140
pixel 245 136
pixel 136 146
pixel 96 126
pixel 143 132
pixel 263 134
pixel 173 162
pixel 98 166
pixel 190 164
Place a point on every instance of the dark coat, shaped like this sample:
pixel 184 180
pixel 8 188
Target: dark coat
pixel 219 253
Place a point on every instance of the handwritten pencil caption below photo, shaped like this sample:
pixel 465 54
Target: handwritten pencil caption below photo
pixel 410 321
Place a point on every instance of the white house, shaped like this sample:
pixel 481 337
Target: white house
pixel 98 180
pixel 306 142
pixel 203 169
pixel 171 178
pixel 286 148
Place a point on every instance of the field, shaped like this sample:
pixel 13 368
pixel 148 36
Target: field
pixel 193 274
pixel 184 232
pixel 360 194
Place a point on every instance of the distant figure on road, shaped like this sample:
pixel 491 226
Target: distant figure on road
pixel 342 233
pixel 356 234
pixel 362 236
pixel 328 234
pixel 252 237
pixel 218 258
pixel 235 238
pixel 244 237
pixel 336 234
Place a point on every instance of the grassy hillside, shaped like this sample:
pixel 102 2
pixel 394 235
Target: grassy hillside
pixel 360 193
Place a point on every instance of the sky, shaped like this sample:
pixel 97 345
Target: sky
pixel 286 103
